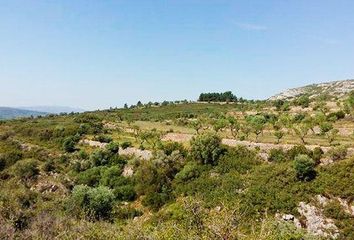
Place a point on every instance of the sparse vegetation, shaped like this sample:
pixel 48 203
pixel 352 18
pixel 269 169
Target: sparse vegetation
pixel 179 169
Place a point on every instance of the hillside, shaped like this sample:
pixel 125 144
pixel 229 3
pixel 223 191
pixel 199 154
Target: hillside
pixel 338 89
pixel 180 170
pixel 10 113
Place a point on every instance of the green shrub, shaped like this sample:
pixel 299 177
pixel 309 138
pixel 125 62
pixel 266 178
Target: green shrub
pixel 125 145
pixel 113 147
pixel 338 153
pixel 303 101
pixel 95 203
pixel 103 138
pixel 239 159
pixel 26 169
pixel 125 213
pixel 83 155
pixel 69 144
pixel 304 167
pixel 111 177
pixel 277 155
pixel 206 148
pixel 124 193
pixel 100 157
pixel 333 116
pixel 9 158
pixel 297 150
pixel 170 147
pixel 317 154
pixel 90 177
pixel 49 166
pixel 156 200
pixel 334 210
pixel 190 171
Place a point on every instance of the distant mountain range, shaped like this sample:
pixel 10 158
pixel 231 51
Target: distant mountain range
pixel 53 109
pixel 20 112
pixel 10 113
pixel 339 89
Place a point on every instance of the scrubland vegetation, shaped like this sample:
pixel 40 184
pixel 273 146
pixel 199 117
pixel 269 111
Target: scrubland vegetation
pixel 69 176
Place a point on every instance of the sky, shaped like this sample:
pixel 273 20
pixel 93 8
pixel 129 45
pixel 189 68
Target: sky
pixel 100 54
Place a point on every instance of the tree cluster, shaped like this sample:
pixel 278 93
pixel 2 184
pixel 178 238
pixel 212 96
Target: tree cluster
pixel 217 97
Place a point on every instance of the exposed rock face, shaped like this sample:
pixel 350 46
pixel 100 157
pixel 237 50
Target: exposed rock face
pixel 144 154
pixel 93 143
pixel 289 218
pixel 313 219
pixel 316 223
pixel 128 171
pixel 337 88
pixel 347 206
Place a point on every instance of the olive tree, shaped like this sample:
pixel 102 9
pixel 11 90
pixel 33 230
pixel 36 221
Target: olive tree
pixel 257 123
pixel 206 148
pixel 301 130
pixel 234 126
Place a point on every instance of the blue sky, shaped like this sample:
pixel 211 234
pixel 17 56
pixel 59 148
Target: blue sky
pixel 97 54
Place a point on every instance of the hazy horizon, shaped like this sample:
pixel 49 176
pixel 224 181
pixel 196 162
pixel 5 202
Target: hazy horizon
pixel 101 54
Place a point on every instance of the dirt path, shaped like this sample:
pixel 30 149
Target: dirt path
pixel 177 137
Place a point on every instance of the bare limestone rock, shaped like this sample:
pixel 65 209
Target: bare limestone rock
pixel 128 171
pixel 316 223
pixel 289 218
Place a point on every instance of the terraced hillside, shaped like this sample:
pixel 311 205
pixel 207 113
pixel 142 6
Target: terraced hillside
pixel 181 170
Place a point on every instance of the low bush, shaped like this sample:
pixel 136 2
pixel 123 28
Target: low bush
pixel 113 147
pixel 155 200
pixel 337 153
pixel 297 150
pixel 124 193
pixel 317 154
pixel 103 138
pixel 189 172
pixel 125 145
pixel 26 169
pixel 206 148
pixel 94 203
pixel 277 155
pixel 238 159
pixel 111 177
pixel 304 167
pixel 90 177
pixel 170 147
pixel 48 166
pixel 125 213
pixel 69 144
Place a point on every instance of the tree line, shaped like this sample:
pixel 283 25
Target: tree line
pixel 217 97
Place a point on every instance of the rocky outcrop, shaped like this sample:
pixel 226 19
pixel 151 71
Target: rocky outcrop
pixel 316 223
pixel 289 218
pixel 143 154
pixel 312 218
pixel 337 88
pixel 128 171
pixel 93 143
